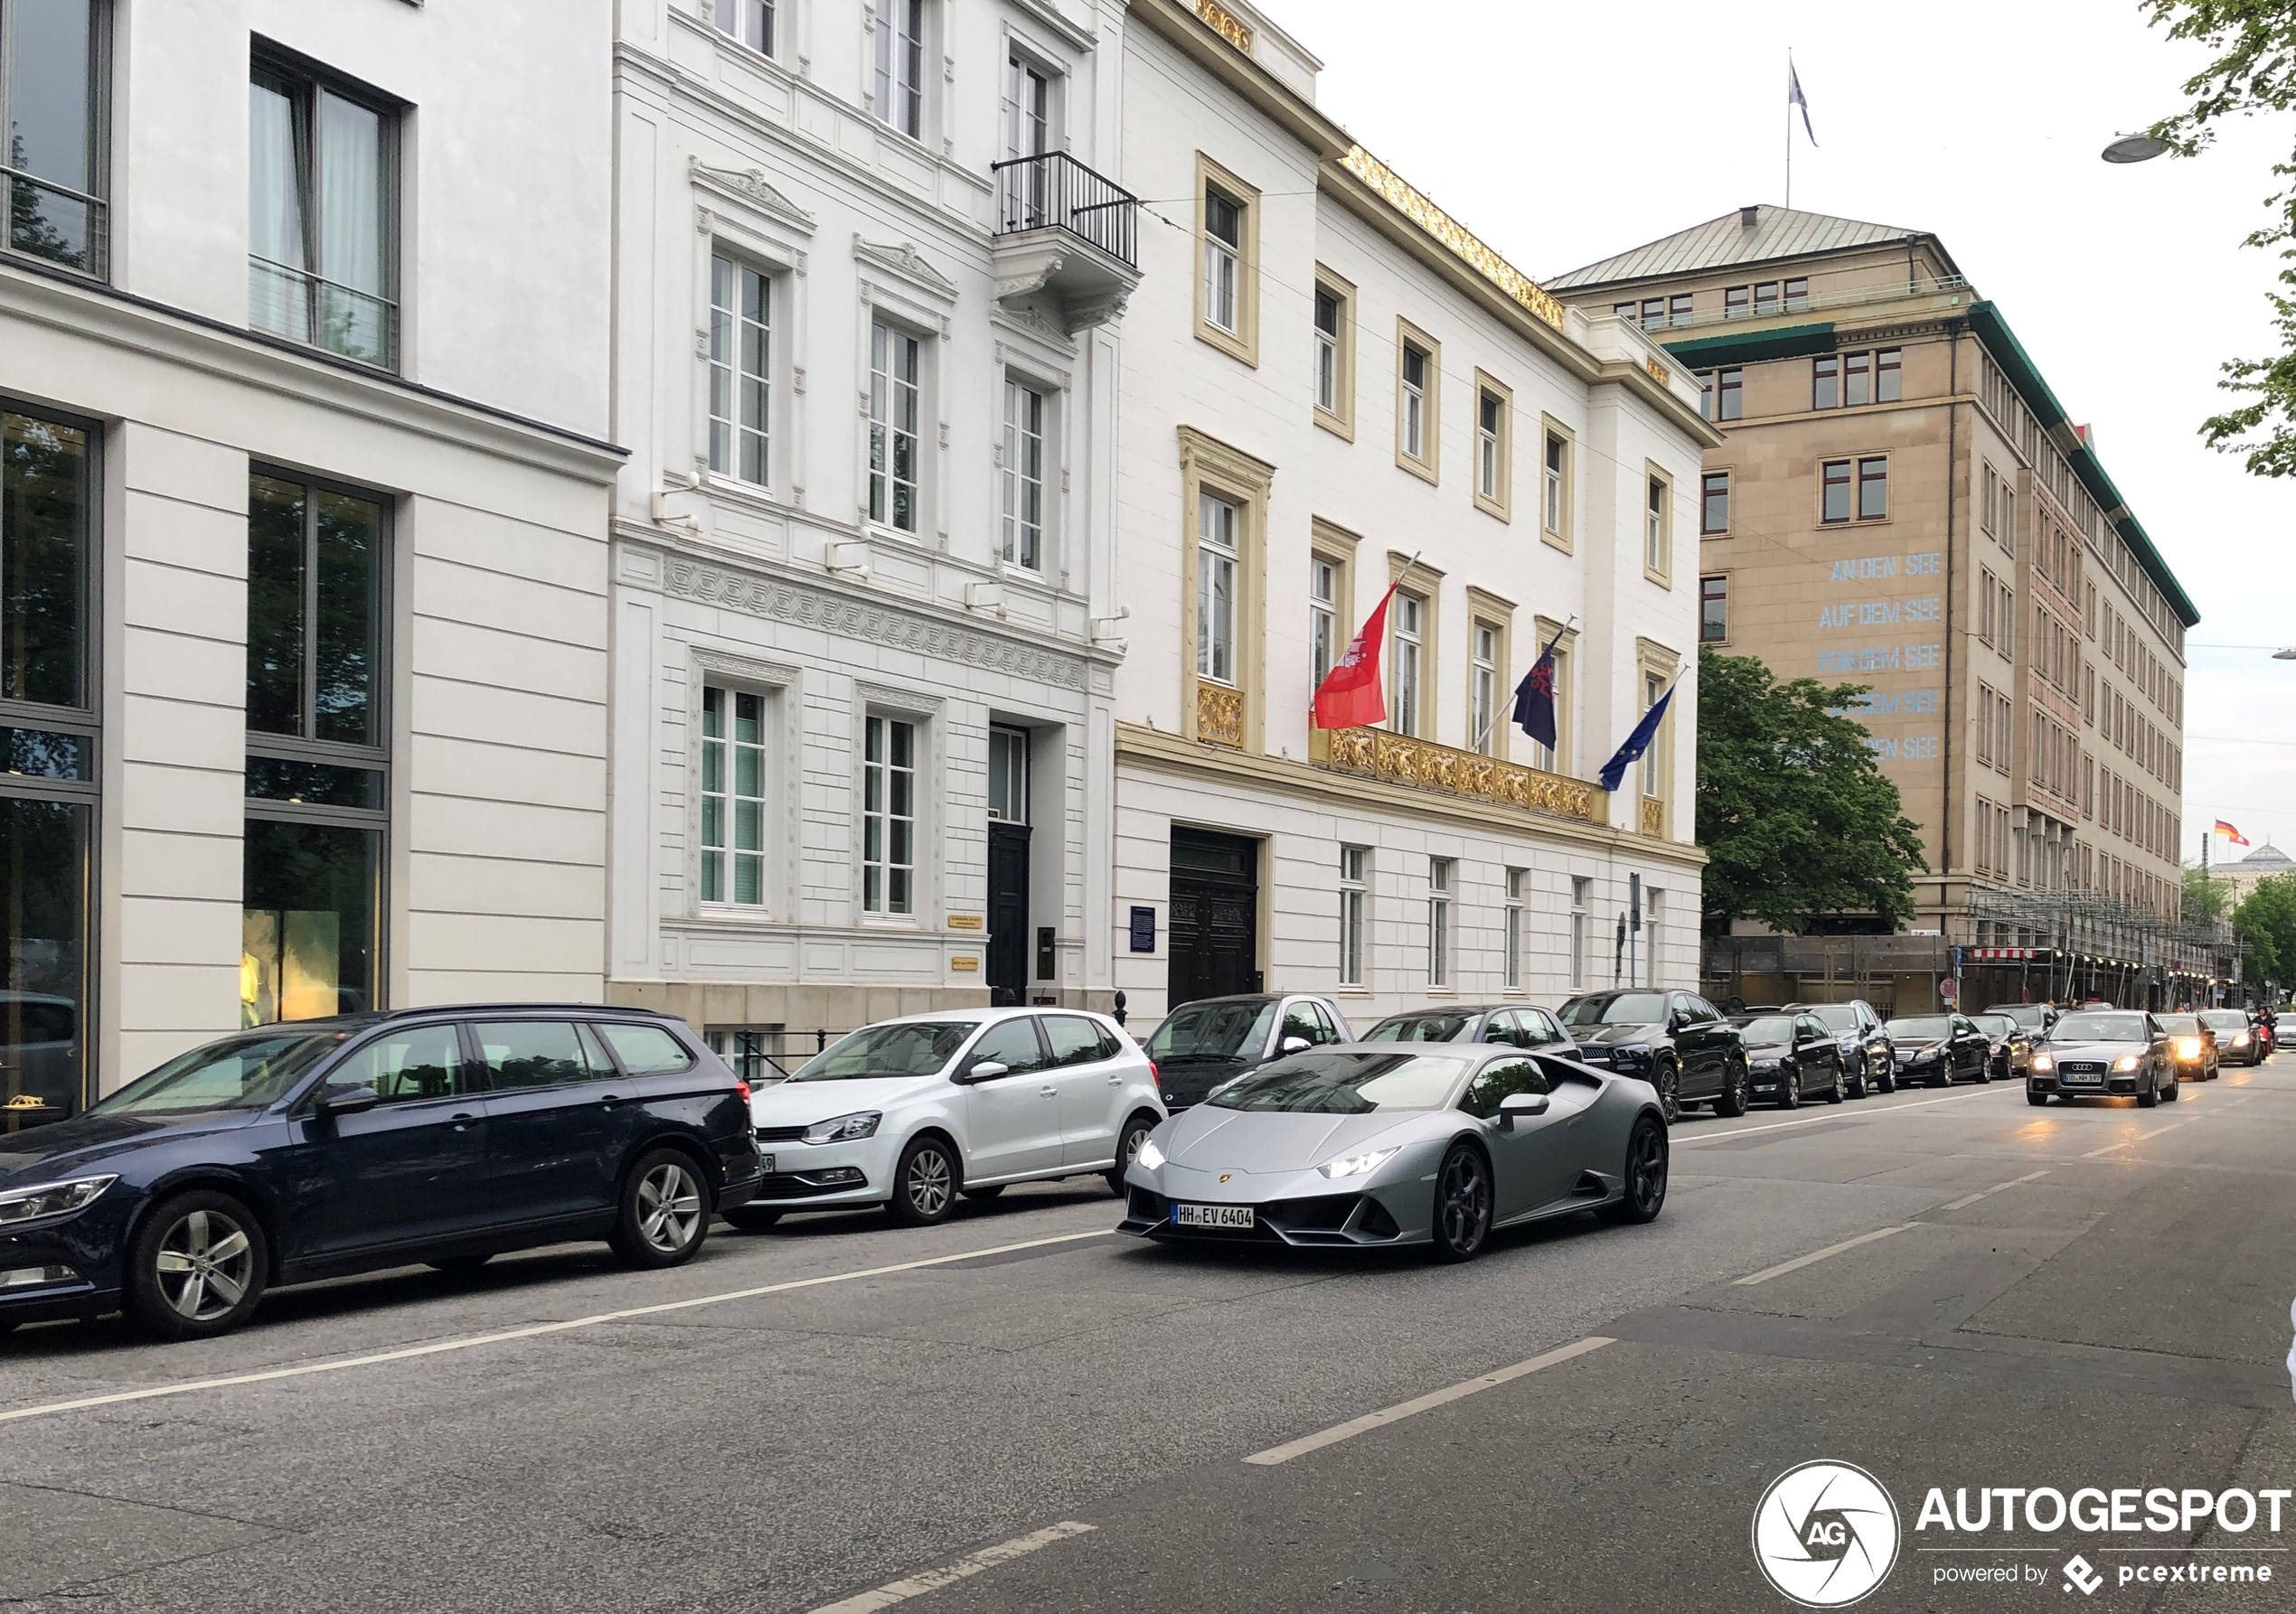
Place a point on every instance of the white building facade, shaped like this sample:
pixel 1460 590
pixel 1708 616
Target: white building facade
pixel 863 672
pixel 303 519
pixel 1329 386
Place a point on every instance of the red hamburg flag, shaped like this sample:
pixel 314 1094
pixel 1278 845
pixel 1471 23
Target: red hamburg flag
pixel 1353 695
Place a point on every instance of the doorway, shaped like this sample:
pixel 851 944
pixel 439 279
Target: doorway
pixel 1214 915
pixel 1008 904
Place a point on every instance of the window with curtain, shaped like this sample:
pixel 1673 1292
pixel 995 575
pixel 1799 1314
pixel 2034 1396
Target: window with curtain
pixel 321 208
pixel 53 115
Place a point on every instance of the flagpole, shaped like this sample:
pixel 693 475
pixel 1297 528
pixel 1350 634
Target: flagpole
pixel 1789 127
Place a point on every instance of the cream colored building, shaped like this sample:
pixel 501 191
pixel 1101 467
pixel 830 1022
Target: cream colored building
pixel 1902 502
pixel 1325 376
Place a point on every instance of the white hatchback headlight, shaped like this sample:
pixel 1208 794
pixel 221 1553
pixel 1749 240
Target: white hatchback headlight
pixel 51 1199
pixel 845 1129
pixel 1150 1155
pixel 1356 1165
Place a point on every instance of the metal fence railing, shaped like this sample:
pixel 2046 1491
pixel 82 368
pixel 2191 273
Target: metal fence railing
pixel 1056 191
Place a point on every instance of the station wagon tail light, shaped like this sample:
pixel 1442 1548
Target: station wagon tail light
pixel 51 1199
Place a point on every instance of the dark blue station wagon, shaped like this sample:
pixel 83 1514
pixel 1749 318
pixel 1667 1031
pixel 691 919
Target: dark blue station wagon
pixel 318 1148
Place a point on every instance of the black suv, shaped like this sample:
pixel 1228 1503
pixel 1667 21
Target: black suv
pixel 1678 1042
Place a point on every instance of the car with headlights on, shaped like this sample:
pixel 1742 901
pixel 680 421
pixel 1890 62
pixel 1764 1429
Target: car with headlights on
pixel 1368 1144
pixel 1517 1025
pixel 1863 1037
pixel 1789 1058
pixel 1938 1049
pixel 317 1148
pixel 908 1113
pixel 1212 1040
pixel 2237 1039
pixel 2095 1054
pixel 1676 1041
pixel 2013 1045
pixel 2192 1046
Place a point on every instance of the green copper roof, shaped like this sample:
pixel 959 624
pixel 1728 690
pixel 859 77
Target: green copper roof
pixel 1752 347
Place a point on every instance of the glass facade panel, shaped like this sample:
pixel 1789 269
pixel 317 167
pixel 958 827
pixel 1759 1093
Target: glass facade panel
pixel 309 932
pixel 276 514
pixel 44 879
pixel 51 109
pixel 44 502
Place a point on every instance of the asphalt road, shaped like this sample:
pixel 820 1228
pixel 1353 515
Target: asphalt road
pixel 2084 1296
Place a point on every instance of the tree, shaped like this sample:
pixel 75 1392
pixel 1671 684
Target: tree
pixel 2254 71
pixel 1793 812
pixel 2266 921
pixel 2206 895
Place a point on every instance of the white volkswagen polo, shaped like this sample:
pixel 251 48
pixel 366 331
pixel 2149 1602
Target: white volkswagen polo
pixel 910 1113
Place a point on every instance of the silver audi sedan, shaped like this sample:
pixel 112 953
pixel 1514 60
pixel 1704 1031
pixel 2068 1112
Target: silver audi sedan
pixel 1422 1143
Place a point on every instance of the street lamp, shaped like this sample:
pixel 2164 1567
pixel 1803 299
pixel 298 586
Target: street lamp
pixel 2135 148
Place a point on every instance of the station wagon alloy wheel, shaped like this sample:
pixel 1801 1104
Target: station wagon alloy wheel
pixel 669 1208
pixel 198 1267
pixel 205 1264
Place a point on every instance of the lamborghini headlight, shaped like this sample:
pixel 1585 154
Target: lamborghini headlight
pixel 1356 1165
pixel 1150 1156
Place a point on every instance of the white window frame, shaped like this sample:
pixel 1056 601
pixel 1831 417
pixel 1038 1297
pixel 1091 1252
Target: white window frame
pixel 1408 653
pixel 1489 440
pixel 1327 349
pixel 749 22
pixel 734 380
pixel 1517 919
pixel 1323 647
pixel 899 76
pixel 881 777
pixel 1025 454
pixel 1653 687
pixel 1009 766
pixel 1220 535
pixel 1582 896
pixel 1442 877
pixel 723 855
pixel 1482 715
pixel 1223 265
pixel 1355 912
pixel 1415 401
pixel 887 387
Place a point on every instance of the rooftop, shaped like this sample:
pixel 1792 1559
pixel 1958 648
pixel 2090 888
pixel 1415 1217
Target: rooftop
pixel 1748 235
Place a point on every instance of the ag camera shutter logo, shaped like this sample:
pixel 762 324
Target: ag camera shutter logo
pixel 1825 1533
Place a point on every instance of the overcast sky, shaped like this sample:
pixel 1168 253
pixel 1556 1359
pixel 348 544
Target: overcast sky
pixel 1562 134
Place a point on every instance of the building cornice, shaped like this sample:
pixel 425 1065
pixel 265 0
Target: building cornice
pixel 195 342
pixel 1335 792
pixel 1204 45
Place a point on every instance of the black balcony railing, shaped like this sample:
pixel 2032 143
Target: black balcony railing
pixel 1056 191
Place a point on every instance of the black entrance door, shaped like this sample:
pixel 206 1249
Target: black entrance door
pixel 1214 915
pixel 1008 913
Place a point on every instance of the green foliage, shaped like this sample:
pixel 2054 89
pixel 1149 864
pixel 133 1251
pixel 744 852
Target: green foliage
pixel 2206 895
pixel 1793 811
pixel 2266 921
pixel 2254 71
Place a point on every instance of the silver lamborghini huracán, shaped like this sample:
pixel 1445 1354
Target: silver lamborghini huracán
pixel 1397 1144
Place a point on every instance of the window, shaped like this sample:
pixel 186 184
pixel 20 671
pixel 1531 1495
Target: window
pixel 1327 350
pixel 1765 297
pixel 741 370
pixel 1517 917
pixel 1856 378
pixel 1323 616
pixel 1729 394
pixel 1582 890
pixel 1658 524
pixel 1555 504
pixel 1023 475
pixel 900 65
pixel 1653 776
pixel 1490 451
pixel 733 797
pixel 1072 1039
pixel 321 208
pixel 749 22
pixel 1439 875
pixel 1553 760
pixel 1012 1044
pixel 1870 479
pixel 1409 618
pixel 1797 295
pixel 1355 901
pixel 1653 312
pixel 1483 690
pixel 1825 381
pixel 1736 304
pixel 1417 378
pixel 1714 502
pixel 1888 376
pixel 1008 776
pixel 52 58
pixel 1847 380
pixel 1654 954
pixel 1223 260
pixel 1714 610
pixel 315 618
pixel 407 1067
pixel 1677 309
pixel 645 1050
pixel 894 407
pixel 1873 489
pixel 1217 555
pixel 525 1054
pixel 889 816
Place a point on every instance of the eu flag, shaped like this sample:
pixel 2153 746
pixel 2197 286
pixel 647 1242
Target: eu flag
pixel 1631 751
pixel 1535 698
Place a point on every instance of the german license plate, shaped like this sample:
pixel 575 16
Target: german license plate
pixel 766 1162
pixel 2084 1078
pixel 1211 1215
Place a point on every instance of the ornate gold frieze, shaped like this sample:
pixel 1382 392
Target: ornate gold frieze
pixel 1219 714
pixel 1400 195
pixel 1653 817
pixel 1225 24
pixel 1658 371
pixel 1378 754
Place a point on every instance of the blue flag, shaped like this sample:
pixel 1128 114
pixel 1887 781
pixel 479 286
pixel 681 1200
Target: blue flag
pixel 1534 697
pixel 1631 752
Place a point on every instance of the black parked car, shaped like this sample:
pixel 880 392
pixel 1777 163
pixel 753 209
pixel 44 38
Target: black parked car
pixel 1518 1025
pixel 1209 1043
pixel 1678 1042
pixel 1863 1037
pixel 1790 1056
pixel 318 1148
pixel 2012 1058
pixel 1940 1048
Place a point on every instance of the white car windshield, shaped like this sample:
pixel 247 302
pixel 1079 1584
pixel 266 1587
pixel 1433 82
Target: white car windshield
pixel 1213 1032
pixel 2100 1027
pixel 1345 1083
pixel 904 1048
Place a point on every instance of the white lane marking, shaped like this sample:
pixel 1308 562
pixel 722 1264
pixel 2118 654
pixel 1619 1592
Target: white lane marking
pixel 1834 1114
pixel 1435 1398
pixel 472 1342
pixel 2128 1143
pixel 948 1575
pixel 1799 1262
pixel 1966 1200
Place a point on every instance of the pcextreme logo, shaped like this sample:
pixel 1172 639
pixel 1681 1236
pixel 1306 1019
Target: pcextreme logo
pixel 1825 1533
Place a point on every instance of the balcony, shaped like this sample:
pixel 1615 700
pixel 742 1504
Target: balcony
pixel 1422 764
pixel 1065 240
